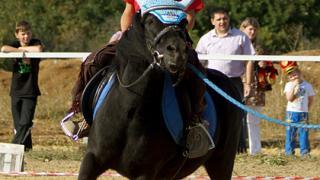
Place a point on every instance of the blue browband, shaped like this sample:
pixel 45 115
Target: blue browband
pixel 167 11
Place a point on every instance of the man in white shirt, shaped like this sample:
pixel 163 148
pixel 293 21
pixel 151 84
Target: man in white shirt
pixel 228 41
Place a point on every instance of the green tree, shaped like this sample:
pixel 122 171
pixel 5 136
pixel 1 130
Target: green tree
pixel 64 25
pixel 285 25
pixel 85 25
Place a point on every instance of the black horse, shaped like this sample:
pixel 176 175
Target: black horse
pixel 128 133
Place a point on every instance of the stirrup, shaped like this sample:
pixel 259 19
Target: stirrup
pixel 63 126
pixel 198 141
pixel 80 133
pixel 73 129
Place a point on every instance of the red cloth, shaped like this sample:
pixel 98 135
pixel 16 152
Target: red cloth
pixel 134 3
pixel 197 5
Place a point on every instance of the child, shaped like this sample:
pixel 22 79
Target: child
pixel 24 84
pixel 299 94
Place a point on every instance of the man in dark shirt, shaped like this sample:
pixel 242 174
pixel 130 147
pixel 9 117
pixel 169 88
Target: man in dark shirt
pixel 24 85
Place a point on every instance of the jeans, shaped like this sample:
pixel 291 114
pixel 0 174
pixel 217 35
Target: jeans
pixel 291 133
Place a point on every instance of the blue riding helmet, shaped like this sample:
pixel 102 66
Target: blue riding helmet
pixel 167 11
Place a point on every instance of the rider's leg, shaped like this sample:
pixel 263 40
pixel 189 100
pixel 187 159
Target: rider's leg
pixel 196 87
pixel 93 63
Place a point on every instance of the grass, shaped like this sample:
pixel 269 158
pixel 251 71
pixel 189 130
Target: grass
pixel 43 153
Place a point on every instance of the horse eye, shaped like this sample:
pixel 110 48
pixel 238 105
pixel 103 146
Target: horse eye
pixel 183 24
pixel 150 21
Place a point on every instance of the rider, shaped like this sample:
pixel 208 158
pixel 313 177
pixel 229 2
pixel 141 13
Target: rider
pixel 101 58
pixel 132 6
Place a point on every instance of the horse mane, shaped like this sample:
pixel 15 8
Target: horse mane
pixel 132 43
pixel 132 48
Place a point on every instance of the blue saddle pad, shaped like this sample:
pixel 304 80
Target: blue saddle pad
pixel 172 115
pixel 103 94
pixel 170 109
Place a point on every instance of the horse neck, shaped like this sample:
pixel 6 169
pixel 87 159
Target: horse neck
pixel 132 70
pixel 143 83
pixel 133 57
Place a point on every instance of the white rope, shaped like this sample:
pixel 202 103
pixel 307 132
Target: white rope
pixel 83 55
pixel 45 55
pixel 258 57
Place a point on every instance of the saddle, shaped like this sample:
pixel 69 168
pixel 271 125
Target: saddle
pixel 92 92
pixel 197 139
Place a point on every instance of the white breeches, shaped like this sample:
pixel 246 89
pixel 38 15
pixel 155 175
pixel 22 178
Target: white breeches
pixel 254 131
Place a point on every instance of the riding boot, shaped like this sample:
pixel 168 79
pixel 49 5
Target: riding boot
pixel 93 63
pixel 73 125
pixel 75 107
pixel 196 88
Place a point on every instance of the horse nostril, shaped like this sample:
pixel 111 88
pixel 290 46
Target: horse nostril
pixel 173 68
pixel 171 48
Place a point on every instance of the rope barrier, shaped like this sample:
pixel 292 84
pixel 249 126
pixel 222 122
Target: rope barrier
pixel 244 107
pixel 83 55
pixel 209 57
pixel 54 55
pixel 257 57
pixel 191 177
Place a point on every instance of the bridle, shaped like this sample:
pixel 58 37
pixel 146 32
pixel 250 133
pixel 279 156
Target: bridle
pixel 158 57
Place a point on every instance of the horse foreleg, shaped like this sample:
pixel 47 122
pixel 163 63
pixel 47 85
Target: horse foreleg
pixel 220 165
pixel 90 168
pixel 219 168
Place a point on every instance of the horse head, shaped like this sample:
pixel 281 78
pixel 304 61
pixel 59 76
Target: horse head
pixel 167 43
pixel 161 36
pixel 165 33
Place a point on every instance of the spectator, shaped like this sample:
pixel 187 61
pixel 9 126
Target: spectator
pixel 24 85
pixel 228 41
pixel 263 77
pixel 300 95
pixel 101 58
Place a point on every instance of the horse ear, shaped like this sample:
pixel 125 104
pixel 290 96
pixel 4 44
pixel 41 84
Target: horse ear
pixel 137 19
pixel 183 23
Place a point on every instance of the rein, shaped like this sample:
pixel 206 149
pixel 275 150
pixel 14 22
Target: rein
pixel 151 66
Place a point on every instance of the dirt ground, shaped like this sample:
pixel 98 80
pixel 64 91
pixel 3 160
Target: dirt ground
pixel 53 152
pixel 271 163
